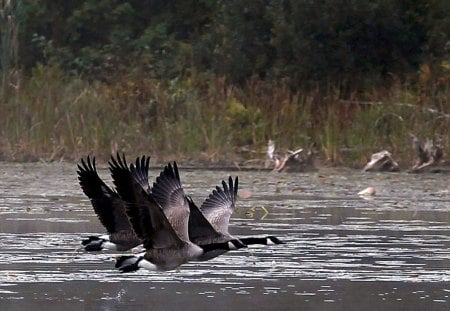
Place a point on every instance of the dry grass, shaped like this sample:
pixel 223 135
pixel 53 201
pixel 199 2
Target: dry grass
pixel 53 116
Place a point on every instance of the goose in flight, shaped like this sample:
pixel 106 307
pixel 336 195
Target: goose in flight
pixel 109 208
pixel 160 219
pixel 209 223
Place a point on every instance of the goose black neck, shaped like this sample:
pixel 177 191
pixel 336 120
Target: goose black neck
pixel 261 240
pixel 226 246
pixel 215 246
pixel 254 240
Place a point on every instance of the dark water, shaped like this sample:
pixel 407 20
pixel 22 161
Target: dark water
pixel 344 252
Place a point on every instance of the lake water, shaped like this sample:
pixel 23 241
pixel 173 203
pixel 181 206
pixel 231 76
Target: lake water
pixel 343 252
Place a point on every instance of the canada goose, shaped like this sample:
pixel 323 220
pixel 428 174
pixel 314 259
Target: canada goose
pixel 216 211
pixel 209 224
pixel 110 210
pixel 162 216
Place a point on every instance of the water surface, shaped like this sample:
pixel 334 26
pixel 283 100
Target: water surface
pixel 343 252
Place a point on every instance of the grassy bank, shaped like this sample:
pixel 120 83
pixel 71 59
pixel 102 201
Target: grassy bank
pixel 54 116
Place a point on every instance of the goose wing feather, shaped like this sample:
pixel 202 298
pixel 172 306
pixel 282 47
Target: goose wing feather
pixel 169 194
pixel 107 204
pixel 220 204
pixel 200 229
pixel 146 215
pixel 120 175
pixel 139 171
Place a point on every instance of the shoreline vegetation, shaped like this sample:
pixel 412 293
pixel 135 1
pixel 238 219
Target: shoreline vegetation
pixel 211 82
pixel 52 116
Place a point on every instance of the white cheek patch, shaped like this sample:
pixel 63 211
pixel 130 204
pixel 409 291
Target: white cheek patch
pixel 231 245
pixel 270 242
pixel 147 265
pixel 104 237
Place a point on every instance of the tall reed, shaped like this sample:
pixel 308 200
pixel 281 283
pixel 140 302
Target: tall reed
pixel 57 116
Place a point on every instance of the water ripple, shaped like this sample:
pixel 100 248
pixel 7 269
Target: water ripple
pixel 401 236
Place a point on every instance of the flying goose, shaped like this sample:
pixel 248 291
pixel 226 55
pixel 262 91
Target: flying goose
pixel 215 212
pixel 209 223
pixel 219 206
pixel 200 230
pixel 162 217
pixel 110 210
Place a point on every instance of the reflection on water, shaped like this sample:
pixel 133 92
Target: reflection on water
pixel 343 252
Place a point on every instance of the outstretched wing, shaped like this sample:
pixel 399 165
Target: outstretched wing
pixel 139 170
pixel 220 204
pixel 120 175
pixel 148 219
pixel 169 194
pixel 200 230
pixel 107 204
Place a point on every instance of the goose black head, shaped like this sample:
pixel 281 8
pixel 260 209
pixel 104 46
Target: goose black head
pixel 274 240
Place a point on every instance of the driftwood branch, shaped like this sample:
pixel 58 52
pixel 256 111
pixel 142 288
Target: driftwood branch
pixel 298 160
pixel 382 162
pixel 427 154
